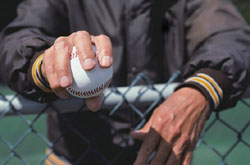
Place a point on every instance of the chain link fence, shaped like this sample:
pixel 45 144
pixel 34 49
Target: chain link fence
pixel 225 138
pixel 23 140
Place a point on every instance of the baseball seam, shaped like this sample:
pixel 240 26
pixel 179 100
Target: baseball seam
pixel 89 92
pixel 73 55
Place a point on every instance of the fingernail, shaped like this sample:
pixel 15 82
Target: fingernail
pixel 64 81
pixel 88 63
pixel 106 61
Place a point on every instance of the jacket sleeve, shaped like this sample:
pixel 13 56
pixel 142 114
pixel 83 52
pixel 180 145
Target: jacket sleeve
pixel 217 43
pixel 38 24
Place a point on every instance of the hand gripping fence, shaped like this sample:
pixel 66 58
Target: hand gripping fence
pixel 232 127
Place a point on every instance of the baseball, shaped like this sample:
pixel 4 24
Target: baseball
pixel 91 83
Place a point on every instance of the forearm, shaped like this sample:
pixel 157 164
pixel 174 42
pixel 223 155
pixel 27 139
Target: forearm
pixel 29 34
pixel 18 52
pixel 219 42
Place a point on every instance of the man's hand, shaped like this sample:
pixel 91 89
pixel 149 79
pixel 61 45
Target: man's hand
pixel 173 129
pixel 56 61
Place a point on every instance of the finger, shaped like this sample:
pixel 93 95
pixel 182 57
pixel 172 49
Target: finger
pixel 179 150
pixel 104 48
pixel 148 147
pixel 138 134
pixel 187 158
pixel 141 133
pixel 48 63
pixel 62 62
pixel 199 127
pixel 50 73
pixel 173 160
pixel 94 103
pixel 162 153
pixel 83 43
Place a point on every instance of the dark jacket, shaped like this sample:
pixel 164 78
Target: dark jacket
pixel 156 37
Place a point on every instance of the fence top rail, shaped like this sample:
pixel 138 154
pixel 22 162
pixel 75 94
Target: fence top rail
pixel 136 95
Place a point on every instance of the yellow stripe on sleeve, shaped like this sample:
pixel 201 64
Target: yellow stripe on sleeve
pixel 208 87
pixel 36 80
pixel 213 82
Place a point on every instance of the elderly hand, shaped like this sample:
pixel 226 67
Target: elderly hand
pixel 173 129
pixel 56 61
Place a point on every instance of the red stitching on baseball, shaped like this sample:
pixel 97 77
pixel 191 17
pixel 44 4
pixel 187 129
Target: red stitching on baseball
pixel 89 92
pixel 73 55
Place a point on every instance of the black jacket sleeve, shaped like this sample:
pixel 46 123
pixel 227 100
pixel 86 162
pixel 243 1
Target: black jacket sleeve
pixel 32 31
pixel 217 37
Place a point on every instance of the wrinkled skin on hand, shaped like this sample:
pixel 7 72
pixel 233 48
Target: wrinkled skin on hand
pixel 56 61
pixel 173 129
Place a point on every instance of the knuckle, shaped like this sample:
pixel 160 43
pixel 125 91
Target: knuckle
pixel 185 138
pixel 45 57
pixel 61 45
pixel 159 121
pixel 46 53
pixel 59 39
pixel 183 142
pixel 103 37
pixel 176 131
pixel 82 34
pixel 73 35
pixel 178 151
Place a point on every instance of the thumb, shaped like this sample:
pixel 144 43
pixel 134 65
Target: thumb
pixel 94 103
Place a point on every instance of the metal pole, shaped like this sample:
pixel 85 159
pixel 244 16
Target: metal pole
pixel 137 95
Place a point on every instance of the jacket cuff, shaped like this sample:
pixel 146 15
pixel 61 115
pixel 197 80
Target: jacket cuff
pixel 36 74
pixel 213 84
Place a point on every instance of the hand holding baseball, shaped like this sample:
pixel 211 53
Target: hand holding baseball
pixel 56 61
pixel 88 84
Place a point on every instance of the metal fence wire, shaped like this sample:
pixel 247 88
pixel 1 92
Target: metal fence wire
pixel 132 98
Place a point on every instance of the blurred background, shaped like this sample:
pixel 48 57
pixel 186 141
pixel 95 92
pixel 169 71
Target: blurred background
pixel 12 128
pixel 7 11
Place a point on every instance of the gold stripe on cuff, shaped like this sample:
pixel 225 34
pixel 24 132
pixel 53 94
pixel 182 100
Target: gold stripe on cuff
pixel 208 87
pixel 213 82
pixel 35 69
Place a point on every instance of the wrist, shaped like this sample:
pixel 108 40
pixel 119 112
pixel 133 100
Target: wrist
pixel 213 84
pixel 43 73
pixel 188 99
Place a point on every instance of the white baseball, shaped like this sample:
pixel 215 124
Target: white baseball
pixel 91 83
